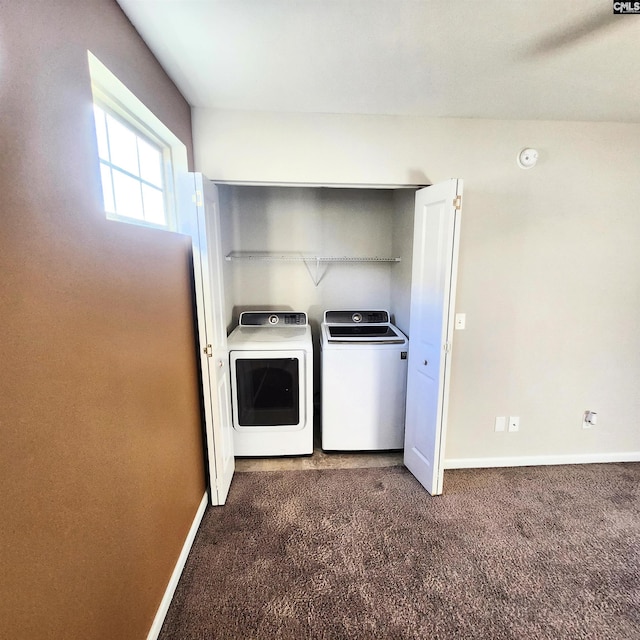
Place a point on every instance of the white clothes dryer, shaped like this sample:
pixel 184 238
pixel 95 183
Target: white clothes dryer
pixel 364 381
pixel 271 364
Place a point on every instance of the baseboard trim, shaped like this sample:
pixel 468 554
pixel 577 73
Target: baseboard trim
pixel 534 461
pixel 154 632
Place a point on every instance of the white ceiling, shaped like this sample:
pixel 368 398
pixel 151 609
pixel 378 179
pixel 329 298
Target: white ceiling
pixel 505 59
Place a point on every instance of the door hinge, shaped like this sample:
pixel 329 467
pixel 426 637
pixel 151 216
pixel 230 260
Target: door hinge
pixel 197 198
pixel 208 351
pixel 447 347
pixel 457 203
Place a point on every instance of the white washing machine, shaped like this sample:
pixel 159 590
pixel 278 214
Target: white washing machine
pixel 364 381
pixel 271 364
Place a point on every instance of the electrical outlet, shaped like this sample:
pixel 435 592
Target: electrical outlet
pixel 514 423
pixel 501 423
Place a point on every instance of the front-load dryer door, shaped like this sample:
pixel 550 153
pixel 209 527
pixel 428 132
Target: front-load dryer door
pixel 268 390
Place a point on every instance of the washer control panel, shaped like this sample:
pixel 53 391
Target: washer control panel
pixel 356 317
pixel 273 319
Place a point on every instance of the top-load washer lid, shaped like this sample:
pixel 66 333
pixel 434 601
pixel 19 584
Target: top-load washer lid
pixel 367 331
pixel 370 327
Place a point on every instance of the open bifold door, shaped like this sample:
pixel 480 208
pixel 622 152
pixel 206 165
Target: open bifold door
pixel 199 217
pixel 433 284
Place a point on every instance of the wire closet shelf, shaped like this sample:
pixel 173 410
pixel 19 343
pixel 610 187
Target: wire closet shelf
pixel 312 262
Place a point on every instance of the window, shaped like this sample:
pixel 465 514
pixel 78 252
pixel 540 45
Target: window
pixel 140 158
pixel 131 169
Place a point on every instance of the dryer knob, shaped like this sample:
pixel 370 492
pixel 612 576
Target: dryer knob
pixel 273 319
pixel 357 317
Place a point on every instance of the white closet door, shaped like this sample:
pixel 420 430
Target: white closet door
pixel 200 216
pixel 433 282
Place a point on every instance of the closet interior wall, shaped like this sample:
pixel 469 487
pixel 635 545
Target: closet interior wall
pixel 342 222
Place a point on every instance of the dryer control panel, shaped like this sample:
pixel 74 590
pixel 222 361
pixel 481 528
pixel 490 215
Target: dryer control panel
pixel 273 319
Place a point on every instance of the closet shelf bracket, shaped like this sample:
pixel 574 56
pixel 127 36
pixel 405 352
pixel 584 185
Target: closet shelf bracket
pixel 317 273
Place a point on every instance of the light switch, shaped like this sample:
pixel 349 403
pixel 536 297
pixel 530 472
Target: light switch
pixel 461 321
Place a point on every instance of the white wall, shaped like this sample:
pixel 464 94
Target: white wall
pixel 549 267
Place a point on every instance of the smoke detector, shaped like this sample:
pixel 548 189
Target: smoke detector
pixel 527 158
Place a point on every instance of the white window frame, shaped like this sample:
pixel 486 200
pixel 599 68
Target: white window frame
pixel 112 95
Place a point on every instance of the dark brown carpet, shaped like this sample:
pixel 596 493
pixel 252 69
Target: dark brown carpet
pixel 545 553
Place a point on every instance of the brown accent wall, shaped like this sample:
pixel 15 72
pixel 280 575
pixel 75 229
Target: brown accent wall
pixel 100 446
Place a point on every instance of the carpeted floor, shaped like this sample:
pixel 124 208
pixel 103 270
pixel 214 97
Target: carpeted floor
pixel 523 553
